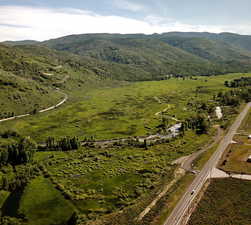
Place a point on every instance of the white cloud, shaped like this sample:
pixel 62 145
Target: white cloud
pixel 157 20
pixel 19 23
pixel 130 6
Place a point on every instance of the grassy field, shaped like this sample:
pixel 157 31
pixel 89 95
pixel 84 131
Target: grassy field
pixel 226 201
pixel 102 181
pixel 42 204
pixel 235 159
pixel 246 124
pixel 203 158
pixel 131 109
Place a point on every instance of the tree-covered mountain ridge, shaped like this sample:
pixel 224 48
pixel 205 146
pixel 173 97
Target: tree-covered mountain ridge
pixel 136 57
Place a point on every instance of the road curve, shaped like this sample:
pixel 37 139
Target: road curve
pixel 40 111
pixel 185 202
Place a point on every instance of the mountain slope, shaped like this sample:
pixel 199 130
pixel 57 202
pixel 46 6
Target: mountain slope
pixel 209 49
pixel 150 55
pixel 24 42
pixel 29 76
pixel 237 40
pixel 21 96
pixel 25 83
pixel 78 62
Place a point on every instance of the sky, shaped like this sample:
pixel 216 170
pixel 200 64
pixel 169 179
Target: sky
pixel 46 19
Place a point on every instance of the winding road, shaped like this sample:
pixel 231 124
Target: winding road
pixel 40 111
pixel 181 209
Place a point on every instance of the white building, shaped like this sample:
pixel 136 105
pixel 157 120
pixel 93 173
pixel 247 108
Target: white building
pixel 218 112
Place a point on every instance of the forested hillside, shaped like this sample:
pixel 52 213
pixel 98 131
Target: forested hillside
pixel 216 51
pixel 241 41
pixel 162 54
pixel 137 57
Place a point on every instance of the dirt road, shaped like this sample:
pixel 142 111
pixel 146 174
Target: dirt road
pixel 41 111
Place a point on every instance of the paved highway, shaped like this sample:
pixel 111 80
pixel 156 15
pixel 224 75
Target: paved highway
pixel 177 215
pixel 187 164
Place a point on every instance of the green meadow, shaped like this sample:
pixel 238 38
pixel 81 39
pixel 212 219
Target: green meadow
pixel 42 204
pixel 97 182
pixel 104 181
pixel 124 111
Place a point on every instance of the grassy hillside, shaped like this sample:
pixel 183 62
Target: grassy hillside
pixel 19 95
pixel 24 42
pixel 226 201
pixel 242 41
pixel 29 76
pixel 26 82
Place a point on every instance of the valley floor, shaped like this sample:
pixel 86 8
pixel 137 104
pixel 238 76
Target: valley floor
pixel 113 185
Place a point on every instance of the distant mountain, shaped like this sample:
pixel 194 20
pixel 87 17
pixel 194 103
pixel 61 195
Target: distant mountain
pixel 160 54
pixel 216 51
pixel 147 56
pixel 24 42
pixel 135 57
pixel 237 40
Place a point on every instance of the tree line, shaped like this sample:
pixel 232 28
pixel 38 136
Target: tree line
pixel 63 144
pixel 19 153
pixel 234 97
pixel 199 123
pixel 16 177
pixel 240 82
